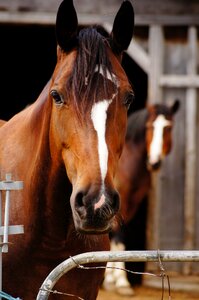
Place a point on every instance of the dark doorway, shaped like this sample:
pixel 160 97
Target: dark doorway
pixel 139 81
pixel 27 60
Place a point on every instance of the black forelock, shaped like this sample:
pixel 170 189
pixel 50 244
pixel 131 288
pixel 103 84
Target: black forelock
pixel 91 51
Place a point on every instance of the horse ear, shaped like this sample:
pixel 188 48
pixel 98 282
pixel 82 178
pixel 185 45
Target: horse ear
pixel 175 106
pixel 123 26
pixel 66 25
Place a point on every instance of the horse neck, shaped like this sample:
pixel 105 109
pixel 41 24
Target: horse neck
pixel 57 216
pixel 39 114
pixel 136 134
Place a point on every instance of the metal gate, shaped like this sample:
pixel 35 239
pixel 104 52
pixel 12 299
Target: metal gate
pixel 113 256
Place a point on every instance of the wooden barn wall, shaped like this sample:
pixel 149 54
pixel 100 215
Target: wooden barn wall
pixel 196 267
pixel 170 230
pixel 197 175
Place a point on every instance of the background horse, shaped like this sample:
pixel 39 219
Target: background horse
pixel 148 140
pixel 65 147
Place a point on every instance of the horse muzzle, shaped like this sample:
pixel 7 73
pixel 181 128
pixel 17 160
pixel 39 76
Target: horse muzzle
pixel 154 166
pixel 93 213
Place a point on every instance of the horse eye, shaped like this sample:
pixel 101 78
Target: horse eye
pixel 128 100
pixel 57 97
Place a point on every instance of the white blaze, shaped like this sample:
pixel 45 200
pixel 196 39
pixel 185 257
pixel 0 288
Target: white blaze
pixel 157 141
pixel 99 69
pixel 99 116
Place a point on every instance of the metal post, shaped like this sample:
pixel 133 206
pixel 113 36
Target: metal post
pixel 0 242
pixel 6 230
pixel 6 222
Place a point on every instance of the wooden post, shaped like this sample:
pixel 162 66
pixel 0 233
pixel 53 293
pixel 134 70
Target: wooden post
pixel 156 53
pixel 139 55
pixel 190 149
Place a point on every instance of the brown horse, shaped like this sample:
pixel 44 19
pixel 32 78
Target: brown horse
pixel 2 122
pixel 148 140
pixel 65 147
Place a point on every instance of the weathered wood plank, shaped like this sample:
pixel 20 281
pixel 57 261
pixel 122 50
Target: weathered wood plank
pixel 136 52
pixel 139 55
pixel 166 20
pixel 178 81
pixel 167 9
pixel 190 150
pixel 27 18
pixel 156 51
pixel 48 18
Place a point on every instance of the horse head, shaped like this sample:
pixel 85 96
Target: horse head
pixel 90 94
pixel 159 132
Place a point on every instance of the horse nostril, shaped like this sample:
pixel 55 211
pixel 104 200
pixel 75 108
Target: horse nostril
pixel 80 205
pixel 79 200
pixel 156 166
pixel 86 204
pixel 115 203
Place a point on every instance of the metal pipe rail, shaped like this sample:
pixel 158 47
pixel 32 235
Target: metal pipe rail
pixel 112 256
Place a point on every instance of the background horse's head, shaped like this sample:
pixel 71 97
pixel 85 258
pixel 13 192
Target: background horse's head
pixel 90 94
pixel 158 132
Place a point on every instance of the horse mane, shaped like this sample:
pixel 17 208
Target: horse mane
pixel 91 52
pixel 162 109
pixel 136 125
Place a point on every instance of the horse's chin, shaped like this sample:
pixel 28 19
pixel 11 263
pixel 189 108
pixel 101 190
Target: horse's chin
pixel 85 227
pixel 93 231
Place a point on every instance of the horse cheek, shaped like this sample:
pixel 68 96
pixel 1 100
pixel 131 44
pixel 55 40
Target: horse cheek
pixel 70 165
